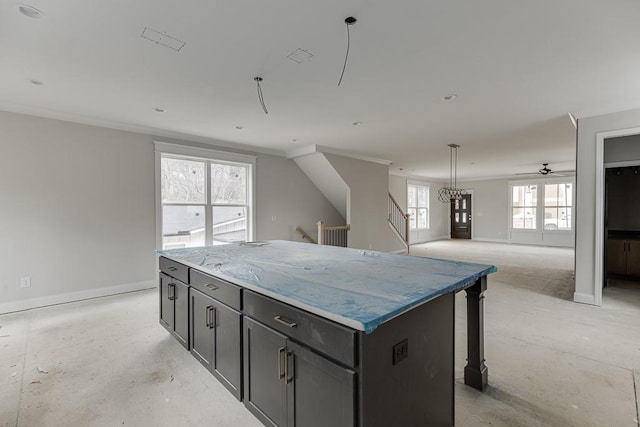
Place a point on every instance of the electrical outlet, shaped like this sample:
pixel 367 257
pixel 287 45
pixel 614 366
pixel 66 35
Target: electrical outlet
pixel 400 351
pixel 274 218
pixel 25 282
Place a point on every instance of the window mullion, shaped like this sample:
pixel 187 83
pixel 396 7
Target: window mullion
pixel 208 210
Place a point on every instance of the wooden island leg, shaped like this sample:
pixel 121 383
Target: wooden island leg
pixel 476 372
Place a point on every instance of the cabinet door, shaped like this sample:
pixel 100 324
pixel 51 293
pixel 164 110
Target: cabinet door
pixel 320 393
pixel 202 328
pixel 166 304
pixel 227 348
pixel 633 257
pixel 616 256
pixel 264 386
pixel 181 312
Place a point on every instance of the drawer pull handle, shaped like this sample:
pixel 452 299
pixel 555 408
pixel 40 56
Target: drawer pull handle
pixel 172 292
pixel 285 322
pixel 281 374
pixel 212 287
pixel 172 268
pixel 211 317
pixel 288 378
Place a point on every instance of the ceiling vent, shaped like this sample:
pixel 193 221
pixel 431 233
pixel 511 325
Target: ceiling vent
pixel 162 39
pixel 300 56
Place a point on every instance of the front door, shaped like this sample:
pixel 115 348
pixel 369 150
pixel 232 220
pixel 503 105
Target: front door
pixel 461 218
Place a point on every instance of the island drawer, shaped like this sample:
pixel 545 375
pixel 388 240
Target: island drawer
pixel 325 336
pixel 219 289
pixel 174 269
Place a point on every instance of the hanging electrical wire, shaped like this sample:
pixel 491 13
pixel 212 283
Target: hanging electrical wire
pixel 260 97
pixel 349 21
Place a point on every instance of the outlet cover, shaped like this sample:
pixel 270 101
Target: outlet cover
pixel 25 282
pixel 400 351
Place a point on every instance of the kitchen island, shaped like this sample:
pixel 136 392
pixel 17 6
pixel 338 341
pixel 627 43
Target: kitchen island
pixel 318 335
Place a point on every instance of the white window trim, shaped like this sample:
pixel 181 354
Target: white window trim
pixel 179 150
pixel 539 182
pixel 421 184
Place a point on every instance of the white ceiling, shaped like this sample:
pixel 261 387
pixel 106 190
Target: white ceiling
pixel 518 68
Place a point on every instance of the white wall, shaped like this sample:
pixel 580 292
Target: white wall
pixel 368 204
pixel 622 149
pixel 284 191
pixel 438 211
pixel 490 221
pixel 588 128
pixel 77 209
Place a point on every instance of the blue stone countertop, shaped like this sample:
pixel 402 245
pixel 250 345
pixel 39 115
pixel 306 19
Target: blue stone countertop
pixel 356 288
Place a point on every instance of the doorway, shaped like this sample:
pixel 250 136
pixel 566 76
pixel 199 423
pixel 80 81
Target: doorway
pixel 461 217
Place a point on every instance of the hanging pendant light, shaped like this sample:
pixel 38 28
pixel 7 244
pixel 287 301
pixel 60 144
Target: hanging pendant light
pixel 452 192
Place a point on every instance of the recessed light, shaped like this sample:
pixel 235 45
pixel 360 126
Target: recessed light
pixel 159 110
pixel 35 82
pixel 356 123
pixel 239 127
pixel 450 97
pixel 29 11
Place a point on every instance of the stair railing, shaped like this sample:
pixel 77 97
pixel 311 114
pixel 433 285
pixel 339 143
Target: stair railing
pixel 333 235
pixel 399 220
pixel 305 235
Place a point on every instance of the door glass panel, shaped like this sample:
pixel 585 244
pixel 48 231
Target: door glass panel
pixel 229 224
pixel 182 226
pixel 464 217
pixel 464 203
pixel 457 204
pixel 182 181
pixel 457 217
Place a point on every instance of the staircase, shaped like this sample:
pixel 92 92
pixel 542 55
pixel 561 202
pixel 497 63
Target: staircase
pixel 399 221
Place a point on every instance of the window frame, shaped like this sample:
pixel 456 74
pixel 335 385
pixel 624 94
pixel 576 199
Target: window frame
pixel 417 207
pixel 540 184
pixel 209 156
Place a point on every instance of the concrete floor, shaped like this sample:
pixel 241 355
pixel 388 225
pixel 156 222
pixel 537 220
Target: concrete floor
pixel 551 362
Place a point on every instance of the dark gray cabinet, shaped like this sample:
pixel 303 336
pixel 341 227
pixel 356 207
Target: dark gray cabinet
pixel 287 384
pixel 216 339
pixel 174 308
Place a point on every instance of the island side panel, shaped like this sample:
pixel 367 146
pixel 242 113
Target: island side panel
pixel 476 372
pixel 407 368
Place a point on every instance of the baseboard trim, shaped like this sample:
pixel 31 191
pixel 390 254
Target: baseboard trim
pixel 482 239
pixel 27 304
pixel 584 298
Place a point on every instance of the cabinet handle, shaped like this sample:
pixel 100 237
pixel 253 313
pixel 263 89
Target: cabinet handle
pixel 288 378
pixel 212 287
pixel 281 352
pixel 285 322
pixel 211 317
pixel 172 292
pixel 172 268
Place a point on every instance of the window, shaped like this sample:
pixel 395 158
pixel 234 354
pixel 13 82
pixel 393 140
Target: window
pixel 524 204
pixel 203 201
pixel 541 205
pixel 418 206
pixel 557 206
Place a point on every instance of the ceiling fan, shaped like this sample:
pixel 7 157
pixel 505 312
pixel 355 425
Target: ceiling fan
pixel 547 171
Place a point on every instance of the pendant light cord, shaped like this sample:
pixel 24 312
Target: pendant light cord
pixel 349 21
pixel 260 96
pixel 344 67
